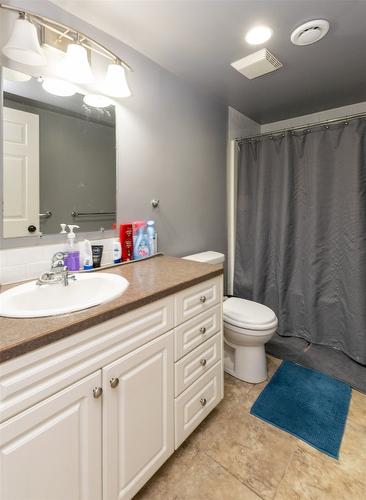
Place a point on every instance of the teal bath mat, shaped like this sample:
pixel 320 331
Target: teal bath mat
pixel 306 403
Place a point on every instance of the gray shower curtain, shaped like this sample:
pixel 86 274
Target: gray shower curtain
pixel 301 233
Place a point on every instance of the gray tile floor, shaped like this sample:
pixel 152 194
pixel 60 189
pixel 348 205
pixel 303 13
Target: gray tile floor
pixel 233 455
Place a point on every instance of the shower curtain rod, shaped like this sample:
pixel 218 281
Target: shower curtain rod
pixel 307 127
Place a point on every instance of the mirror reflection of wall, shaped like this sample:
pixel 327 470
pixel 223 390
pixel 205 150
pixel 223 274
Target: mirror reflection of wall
pixel 60 88
pixel 59 160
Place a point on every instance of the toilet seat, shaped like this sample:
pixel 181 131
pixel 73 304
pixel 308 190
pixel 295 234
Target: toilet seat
pixel 248 315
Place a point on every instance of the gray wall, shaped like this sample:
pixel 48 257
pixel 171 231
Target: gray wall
pixel 77 163
pixel 171 142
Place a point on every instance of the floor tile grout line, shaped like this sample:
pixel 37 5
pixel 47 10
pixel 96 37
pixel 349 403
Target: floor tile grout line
pixel 233 475
pixel 286 469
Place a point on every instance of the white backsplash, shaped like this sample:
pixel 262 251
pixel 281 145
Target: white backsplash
pixel 19 264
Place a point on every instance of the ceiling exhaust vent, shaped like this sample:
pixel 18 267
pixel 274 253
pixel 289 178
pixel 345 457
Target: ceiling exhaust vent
pixel 310 32
pixel 257 64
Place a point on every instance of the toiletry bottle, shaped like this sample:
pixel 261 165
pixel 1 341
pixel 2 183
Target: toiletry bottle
pixel 97 253
pixel 150 236
pixel 155 242
pixel 117 251
pixel 139 240
pixel 126 238
pixel 72 257
pixel 88 256
pixel 143 248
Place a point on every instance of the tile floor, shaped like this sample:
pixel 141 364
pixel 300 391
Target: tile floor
pixel 235 456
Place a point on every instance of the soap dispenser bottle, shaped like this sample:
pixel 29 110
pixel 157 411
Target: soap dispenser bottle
pixel 72 257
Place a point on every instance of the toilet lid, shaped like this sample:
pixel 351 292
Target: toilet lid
pixel 248 314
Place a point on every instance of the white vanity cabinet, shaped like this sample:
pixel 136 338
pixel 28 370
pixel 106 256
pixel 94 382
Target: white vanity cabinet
pixel 93 416
pixel 138 417
pixel 52 451
pixel 199 384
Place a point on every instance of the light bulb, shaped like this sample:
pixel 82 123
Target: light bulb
pixel 23 45
pixel 59 87
pixel 75 65
pixel 115 83
pixel 97 100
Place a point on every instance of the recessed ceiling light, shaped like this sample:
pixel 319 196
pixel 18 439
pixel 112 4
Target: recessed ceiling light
pixel 258 34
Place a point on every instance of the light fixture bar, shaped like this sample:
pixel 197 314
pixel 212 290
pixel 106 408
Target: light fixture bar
pixel 64 31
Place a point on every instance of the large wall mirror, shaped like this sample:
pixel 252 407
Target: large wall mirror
pixel 59 161
pixel 59 91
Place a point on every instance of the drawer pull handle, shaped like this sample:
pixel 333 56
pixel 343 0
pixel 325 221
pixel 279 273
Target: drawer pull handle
pixel 203 299
pixel 203 330
pixel 114 381
pixel 97 392
pixel 203 401
pixel 203 362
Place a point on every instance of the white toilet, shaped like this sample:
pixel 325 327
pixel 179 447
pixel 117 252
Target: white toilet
pixel 247 327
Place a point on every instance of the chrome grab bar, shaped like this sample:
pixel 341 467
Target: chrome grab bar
pixel 75 213
pixel 46 215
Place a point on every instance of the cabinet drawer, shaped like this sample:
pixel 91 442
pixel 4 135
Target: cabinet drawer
pixel 194 300
pixel 196 331
pixel 196 363
pixel 196 402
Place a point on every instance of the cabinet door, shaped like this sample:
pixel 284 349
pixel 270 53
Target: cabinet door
pixel 138 433
pixel 52 451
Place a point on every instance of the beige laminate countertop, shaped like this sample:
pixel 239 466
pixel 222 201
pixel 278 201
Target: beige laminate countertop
pixel 149 280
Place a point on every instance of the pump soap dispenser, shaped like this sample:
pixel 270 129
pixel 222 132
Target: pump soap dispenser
pixel 72 257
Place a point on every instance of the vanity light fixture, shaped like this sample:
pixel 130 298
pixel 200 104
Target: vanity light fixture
pixel 59 87
pixel 115 83
pixel 73 46
pixel 23 45
pixel 15 76
pixel 258 35
pixel 75 65
pixel 97 100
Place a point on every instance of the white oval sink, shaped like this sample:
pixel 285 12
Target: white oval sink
pixel 33 301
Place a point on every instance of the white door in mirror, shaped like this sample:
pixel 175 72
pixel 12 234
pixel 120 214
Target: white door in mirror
pixel 21 173
pixel 33 301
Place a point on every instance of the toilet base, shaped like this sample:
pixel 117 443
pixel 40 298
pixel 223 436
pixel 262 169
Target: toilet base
pixel 247 363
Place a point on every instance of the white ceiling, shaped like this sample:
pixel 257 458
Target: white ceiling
pixel 198 40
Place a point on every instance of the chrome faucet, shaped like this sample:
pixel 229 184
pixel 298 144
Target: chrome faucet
pixel 59 272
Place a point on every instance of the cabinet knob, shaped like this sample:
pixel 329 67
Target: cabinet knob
pixel 203 299
pixel 97 392
pixel 203 401
pixel 203 362
pixel 114 381
pixel 203 330
pixel 32 228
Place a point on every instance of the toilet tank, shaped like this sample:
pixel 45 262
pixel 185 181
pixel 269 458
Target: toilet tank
pixel 208 257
